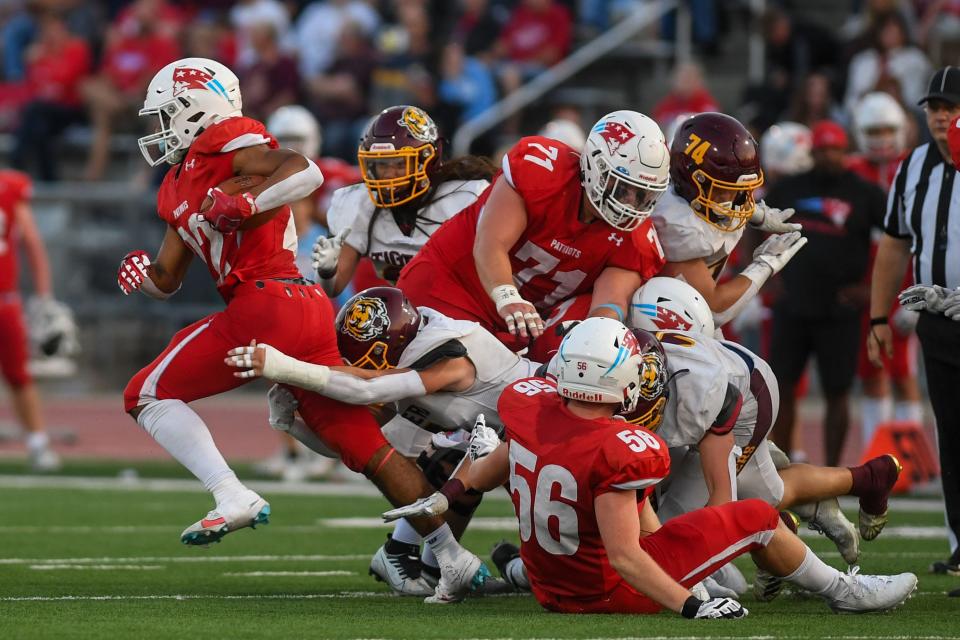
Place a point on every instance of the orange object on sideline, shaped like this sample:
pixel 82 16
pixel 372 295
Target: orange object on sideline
pixel 907 441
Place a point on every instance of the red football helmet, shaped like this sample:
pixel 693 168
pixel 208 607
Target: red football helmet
pixel 654 377
pixel 375 326
pixel 715 166
pixel 398 151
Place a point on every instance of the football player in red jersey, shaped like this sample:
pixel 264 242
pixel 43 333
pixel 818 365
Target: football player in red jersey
pixel 580 478
pixel 17 225
pixel 247 242
pixel 554 224
pixel 880 129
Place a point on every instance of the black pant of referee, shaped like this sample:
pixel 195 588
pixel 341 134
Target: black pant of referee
pixel 922 222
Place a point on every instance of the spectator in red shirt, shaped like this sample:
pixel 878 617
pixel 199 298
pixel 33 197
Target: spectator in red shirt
pixel 688 95
pixel 56 64
pixel 272 79
pixel 537 35
pixel 135 50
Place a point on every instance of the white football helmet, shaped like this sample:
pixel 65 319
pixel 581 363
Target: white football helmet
pixel 625 167
pixel 566 131
pixel 880 126
pixel 295 128
pixel 668 303
pixel 785 149
pixel 186 96
pixel 600 360
pixel 671 131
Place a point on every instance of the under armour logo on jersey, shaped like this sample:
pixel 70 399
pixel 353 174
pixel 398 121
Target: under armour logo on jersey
pixel 189 164
pixel 615 134
pixel 613 237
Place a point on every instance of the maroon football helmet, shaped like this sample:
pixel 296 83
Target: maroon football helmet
pixel 715 166
pixel 375 326
pixel 398 151
pixel 654 377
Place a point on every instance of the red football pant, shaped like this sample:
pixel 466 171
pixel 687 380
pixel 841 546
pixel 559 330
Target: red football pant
pixel 689 548
pixel 13 342
pixel 296 319
pixel 429 285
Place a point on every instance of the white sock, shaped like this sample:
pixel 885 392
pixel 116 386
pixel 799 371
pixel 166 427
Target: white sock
pixel 442 543
pixel 37 441
pixel 908 411
pixel 403 532
pixel 517 574
pixel 873 412
pixel 178 429
pixel 429 558
pixel 814 575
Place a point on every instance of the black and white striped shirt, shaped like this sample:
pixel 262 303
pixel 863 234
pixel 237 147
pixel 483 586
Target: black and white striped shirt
pixel 924 207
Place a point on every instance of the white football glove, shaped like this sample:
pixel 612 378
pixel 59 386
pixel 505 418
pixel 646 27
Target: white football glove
pixel 433 505
pixel 767 218
pixel 458 440
pixel 483 439
pixel 326 254
pixel 282 407
pixel 716 590
pixel 721 608
pixel 776 251
pixel 951 305
pixel 925 297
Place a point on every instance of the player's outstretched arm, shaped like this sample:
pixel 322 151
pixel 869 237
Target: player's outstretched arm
pixel 612 292
pixel 159 278
pixel 339 383
pixel 502 222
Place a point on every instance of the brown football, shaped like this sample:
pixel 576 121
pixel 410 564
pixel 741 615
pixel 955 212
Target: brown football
pixel 239 184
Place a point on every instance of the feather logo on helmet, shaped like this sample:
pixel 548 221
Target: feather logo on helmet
pixel 366 319
pixel 615 134
pixel 419 124
pixel 186 78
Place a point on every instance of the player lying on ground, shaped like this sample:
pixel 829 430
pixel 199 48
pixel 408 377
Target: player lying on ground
pixel 248 243
pixel 437 373
pixel 575 470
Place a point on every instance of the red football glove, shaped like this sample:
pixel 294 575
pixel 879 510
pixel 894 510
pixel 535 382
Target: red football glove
pixel 953 141
pixel 133 271
pixel 227 212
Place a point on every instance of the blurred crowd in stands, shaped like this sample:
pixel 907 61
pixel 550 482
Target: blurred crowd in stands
pixel 70 62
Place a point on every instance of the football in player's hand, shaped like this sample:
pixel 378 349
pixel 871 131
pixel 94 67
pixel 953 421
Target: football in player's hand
pixel 239 184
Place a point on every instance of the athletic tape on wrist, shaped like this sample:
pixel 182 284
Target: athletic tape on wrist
pixel 505 294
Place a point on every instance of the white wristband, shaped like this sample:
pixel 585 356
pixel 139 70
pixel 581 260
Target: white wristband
pixel 280 367
pixel 505 294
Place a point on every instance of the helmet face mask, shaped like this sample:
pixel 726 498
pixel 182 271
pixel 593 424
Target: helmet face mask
pixel 624 168
pixel 725 205
pixel 399 149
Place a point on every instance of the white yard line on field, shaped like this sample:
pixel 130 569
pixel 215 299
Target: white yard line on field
pixel 276 574
pixel 96 567
pixel 188 559
pixel 183 596
pixel 922 505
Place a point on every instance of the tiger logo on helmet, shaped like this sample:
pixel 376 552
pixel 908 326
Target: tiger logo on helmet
pixel 419 124
pixel 365 318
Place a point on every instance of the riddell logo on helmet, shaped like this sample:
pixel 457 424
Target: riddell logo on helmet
pixel 581 395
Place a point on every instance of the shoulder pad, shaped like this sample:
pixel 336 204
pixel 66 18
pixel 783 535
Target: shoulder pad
pixel 232 134
pixel 447 351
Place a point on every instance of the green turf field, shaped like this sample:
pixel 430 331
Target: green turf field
pixel 105 563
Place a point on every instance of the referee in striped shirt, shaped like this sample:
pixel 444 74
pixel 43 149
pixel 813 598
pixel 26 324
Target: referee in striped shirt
pixel 923 221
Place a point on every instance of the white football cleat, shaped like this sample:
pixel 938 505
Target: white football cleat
pixel 401 571
pixel 468 573
pixel 44 460
pixel 766 586
pixel 863 594
pixel 250 512
pixel 826 517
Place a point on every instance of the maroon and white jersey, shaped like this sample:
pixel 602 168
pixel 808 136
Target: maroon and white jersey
pixel 557 256
pixel 15 187
pixel 559 463
pixel 268 251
